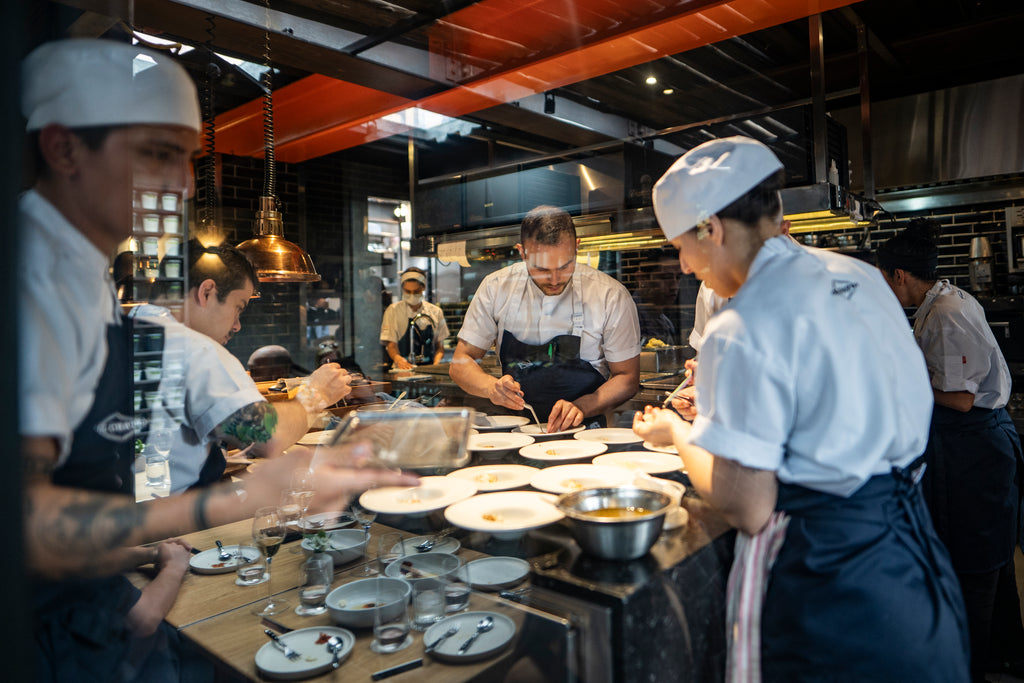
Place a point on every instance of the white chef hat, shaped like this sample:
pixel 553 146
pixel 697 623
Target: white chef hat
pixel 709 178
pixel 85 82
pixel 414 276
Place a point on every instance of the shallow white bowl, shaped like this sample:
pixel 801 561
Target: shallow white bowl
pixel 347 604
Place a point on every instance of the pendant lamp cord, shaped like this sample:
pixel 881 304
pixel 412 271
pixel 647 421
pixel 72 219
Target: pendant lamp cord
pixel 266 80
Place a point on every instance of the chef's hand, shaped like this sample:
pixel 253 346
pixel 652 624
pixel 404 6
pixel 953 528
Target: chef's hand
pixel 685 403
pixel 402 364
pixel 331 382
pixel 564 415
pixel 506 392
pixel 659 427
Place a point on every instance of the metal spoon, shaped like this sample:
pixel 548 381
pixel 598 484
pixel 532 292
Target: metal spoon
pixel 400 397
pixel 482 626
pixel 334 646
pixel 224 555
pixel 452 630
pixel 532 412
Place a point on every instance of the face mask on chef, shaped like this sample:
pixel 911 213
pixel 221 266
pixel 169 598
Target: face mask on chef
pixel 412 299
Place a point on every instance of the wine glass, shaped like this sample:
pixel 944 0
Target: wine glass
pixel 365 517
pixel 268 533
pixel 301 495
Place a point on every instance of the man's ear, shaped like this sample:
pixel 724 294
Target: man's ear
pixel 206 292
pixel 522 253
pixel 60 148
pixel 713 230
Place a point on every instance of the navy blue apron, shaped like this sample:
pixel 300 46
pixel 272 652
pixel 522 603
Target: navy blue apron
pixel 422 345
pixel 213 468
pixel 553 370
pixel 971 485
pixel 863 590
pixel 81 626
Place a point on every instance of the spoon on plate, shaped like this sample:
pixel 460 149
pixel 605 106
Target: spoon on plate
pixel 223 555
pixel 334 646
pixel 482 626
pixel 533 412
pixel 400 397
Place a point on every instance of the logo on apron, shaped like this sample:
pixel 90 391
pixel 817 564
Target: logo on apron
pixel 118 427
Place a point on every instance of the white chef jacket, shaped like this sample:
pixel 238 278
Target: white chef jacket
pixel 201 385
pixel 708 303
pixel 67 302
pixel 395 324
pixel 959 348
pixel 811 371
pixel 509 299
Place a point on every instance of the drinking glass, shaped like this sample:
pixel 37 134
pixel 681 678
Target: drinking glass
pixel 390 631
pixel 318 572
pixel 389 548
pixel 365 517
pixel 301 495
pixel 457 587
pixel 268 534
pixel 427 603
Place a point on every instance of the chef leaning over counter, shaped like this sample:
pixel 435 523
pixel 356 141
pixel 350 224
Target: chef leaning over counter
pixel 567 335
pixel 812 400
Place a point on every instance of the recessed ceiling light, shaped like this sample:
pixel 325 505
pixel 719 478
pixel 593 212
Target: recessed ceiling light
pixel 667 91
pixel 651 80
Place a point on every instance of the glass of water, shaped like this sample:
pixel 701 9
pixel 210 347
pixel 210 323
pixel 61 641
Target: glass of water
pixel 427 603
pixel 457 587
pixel 390 627
pixel 389 548
pixel 318 571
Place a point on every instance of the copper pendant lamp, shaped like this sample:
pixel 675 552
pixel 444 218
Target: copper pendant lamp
pixel 275 258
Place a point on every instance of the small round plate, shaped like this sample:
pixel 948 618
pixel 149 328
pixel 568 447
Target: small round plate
pixel 315 659
pixel 209 562
pixel 609 435
pixel 447 545
pixel 642 461
pixel 496 477
pixel 541 431
pixel 496 573
pixel 661 449
pixel 567 478
pixel 433 493
pixel 327 521
pixel 486 645
pixel 497 442
pixel 498 423
pixel 562 449
pixel 505 513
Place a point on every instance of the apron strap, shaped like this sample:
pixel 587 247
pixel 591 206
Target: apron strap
pixel 748 583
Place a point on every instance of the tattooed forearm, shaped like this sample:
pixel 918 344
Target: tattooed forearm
pixel 255 423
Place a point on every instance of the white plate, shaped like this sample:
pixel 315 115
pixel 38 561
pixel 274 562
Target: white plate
pixel 315 659
pixel 642 461
pixel 433 493
pixel 208 561
pixel 447 545
pixel 327 521
pixel 495 442
pixel 661 449
pixel 496 573
pixel 541 431
pixel 486 645
pixel 496 477
pixel 498 423
pixel 567 478
pixel 562 449
pixel 612 435
pixel 505 514
pixel 320 438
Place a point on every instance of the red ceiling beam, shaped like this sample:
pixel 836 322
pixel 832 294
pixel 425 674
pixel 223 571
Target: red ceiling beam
pixel 319 115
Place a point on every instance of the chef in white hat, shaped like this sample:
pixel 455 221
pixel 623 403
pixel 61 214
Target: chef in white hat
pixel 812 400
pixel 105 121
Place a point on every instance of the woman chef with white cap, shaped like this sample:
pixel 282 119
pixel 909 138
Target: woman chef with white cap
pixel 812 399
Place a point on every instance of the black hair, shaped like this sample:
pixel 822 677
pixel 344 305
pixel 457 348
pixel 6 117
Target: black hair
pixel 92 137
pixel 760 201
pixel 914 250
pixel 547 225
pixel 229 271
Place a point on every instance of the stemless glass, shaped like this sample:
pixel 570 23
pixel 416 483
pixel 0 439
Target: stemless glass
pixel 389 548
pixel 268 534
pixel 390 630
pixel 365 517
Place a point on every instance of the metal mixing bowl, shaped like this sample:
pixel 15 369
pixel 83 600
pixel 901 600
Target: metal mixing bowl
pixel 615 538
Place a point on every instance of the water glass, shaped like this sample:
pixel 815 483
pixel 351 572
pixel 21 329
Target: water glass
pixel 457 587
pixel 389 548
pixel 250 573
pixel 427 603
pixel 390 631
pixel 318 572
